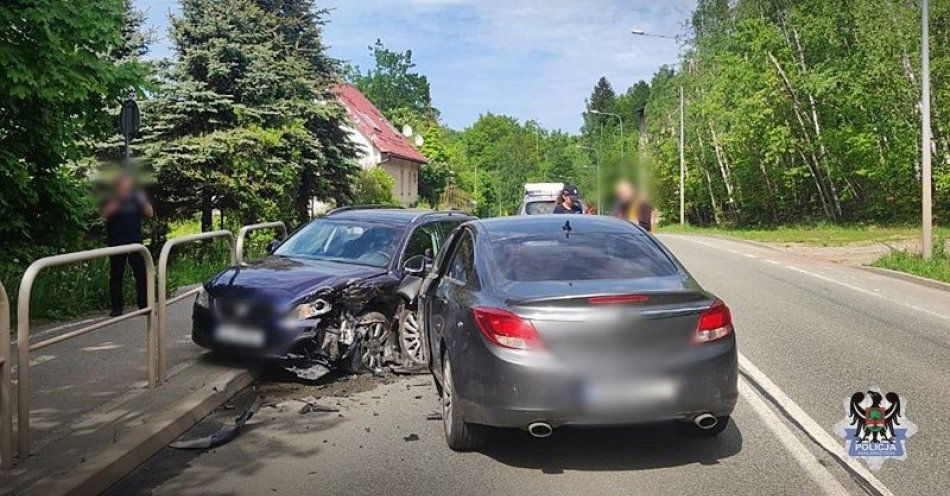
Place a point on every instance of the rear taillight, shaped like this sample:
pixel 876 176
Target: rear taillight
pixel 506 329
pixel 715 323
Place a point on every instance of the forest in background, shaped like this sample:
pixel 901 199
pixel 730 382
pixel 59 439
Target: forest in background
pixel 797 111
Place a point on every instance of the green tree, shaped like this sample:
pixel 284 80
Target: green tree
pixel 374 186
pixel 602 99
pixel 400 93
pixel 245 122
pixel 59 79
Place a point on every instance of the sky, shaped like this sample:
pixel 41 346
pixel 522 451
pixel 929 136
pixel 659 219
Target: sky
pixel 531 59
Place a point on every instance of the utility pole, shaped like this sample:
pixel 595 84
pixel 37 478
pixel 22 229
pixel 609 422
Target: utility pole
pixel 597 160
pixel 682 162
pixel 620 117
pixel 926 198
pixel 640 32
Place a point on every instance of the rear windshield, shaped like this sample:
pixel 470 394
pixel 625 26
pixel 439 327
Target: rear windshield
pixel 597 255
pixel 539 207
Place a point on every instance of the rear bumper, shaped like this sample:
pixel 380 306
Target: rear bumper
pixel 508 388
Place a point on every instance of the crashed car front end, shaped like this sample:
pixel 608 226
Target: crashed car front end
pixel 324 329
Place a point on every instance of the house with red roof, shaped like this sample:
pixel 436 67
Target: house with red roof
pixel 381 143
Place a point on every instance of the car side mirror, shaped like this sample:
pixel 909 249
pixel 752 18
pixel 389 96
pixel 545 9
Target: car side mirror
pixel 417 265
pixel 272 246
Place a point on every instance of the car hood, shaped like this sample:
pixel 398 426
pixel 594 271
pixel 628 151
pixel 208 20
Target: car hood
pixel 281 280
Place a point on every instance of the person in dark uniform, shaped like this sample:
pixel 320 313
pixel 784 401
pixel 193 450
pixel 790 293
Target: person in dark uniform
pixel 567 202
pixel 123 213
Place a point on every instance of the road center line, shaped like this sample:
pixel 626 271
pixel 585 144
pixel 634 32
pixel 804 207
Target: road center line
pixel 794 414
pixel 816 471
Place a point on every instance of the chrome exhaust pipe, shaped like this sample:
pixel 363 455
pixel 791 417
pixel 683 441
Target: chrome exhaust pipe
pixel 540 429
pixel 705 421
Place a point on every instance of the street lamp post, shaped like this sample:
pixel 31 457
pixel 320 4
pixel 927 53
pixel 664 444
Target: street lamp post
pixel 682 141
pixel 618 116
pixel 926 198
pixel 597 160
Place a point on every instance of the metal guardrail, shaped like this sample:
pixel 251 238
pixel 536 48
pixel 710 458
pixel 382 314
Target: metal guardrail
pixel 23 326
pixel 239 247
pixel 6 384
pixel 162 303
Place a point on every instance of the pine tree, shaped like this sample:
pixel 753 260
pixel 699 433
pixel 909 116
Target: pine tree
pixel 602 99
pixel 245 122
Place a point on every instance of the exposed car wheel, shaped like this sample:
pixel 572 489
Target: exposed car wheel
pixel 368 351
pixel 459 435
pixel 374 329
pixel 411 342
pixel 690 429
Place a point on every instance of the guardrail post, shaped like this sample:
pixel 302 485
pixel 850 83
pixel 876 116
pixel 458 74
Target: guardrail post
pixel 161 301
pixel 256 227
pixel 6 384
pixel 24 347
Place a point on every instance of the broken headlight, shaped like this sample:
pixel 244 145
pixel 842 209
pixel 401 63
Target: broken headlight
pixel 202 300
pixel 312 309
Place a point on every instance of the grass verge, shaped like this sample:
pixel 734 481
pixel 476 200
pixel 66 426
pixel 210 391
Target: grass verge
pixel 937 268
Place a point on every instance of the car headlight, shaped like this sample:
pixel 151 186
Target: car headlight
pixel 312 309
pixel 202 300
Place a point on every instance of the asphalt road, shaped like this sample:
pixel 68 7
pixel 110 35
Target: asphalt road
pixel 819 331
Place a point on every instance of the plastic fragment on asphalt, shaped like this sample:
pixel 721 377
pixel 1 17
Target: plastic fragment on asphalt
pixel 224 434
pixel 311 373
pixel 411 437
pixel 434 416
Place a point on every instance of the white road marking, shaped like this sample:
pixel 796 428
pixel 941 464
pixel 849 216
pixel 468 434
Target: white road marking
pixel 749 255
pixel 875 293
pixel 816 471
pixel 773 262
pixel 812 429
pixel 869 292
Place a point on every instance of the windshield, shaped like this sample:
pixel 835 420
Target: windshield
pixel 539 207
pixel 597 255
pixel 343 241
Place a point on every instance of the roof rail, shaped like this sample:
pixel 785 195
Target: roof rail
pixel 450 211
pixel 361 207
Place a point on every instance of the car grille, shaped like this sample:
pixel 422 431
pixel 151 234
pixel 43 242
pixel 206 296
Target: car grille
pixel 241 310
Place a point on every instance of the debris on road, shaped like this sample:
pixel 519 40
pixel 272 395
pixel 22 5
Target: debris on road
pixel 411 437
pixel 410 370
pixel 309 373
pixel 434 416
pixel 224 434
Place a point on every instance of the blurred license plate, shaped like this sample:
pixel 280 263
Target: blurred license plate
pixel 630 393
pixel 243 336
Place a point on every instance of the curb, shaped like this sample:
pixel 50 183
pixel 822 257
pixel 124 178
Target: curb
pixel 98 473
pixel 911 278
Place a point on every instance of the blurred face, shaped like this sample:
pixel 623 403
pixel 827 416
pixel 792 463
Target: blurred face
pixel 625 191
pixel 123 186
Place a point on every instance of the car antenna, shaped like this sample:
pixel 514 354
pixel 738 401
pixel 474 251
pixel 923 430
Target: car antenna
pixel 567 229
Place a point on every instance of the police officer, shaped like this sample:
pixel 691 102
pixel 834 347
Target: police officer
pixel 567 202
pixel 123 212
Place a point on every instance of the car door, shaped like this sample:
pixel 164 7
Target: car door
pixel 452 272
